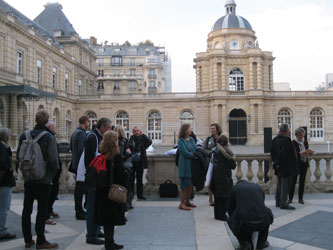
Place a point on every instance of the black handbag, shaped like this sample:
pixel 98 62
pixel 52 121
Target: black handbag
pixel 168 189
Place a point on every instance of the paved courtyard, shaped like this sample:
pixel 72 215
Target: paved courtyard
pixel 157 224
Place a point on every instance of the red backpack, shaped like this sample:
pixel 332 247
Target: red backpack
pixel 96 175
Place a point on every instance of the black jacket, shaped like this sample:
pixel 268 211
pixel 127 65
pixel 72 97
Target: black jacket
pixel 199 169
pixel 144 143
pixel 247 207
pixel 49 149
pixel 8 179
pixel 107 212
pixel 90 147
pixel 78 139
pixel 284 156
pixel 221 183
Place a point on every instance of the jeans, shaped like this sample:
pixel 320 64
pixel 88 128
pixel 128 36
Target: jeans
pixel 40 192
pixel 92 229
pixel 5 199
pixel 282 190
pixel 81 189
pixel 138 173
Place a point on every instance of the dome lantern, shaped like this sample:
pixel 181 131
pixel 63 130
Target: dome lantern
pixel 230 7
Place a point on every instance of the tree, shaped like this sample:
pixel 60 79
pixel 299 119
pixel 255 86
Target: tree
pixel 127 43
pixel 146 43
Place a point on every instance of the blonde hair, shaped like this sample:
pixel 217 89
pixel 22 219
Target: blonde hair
pixel 120 130
pixel 109 144
pixel 5 136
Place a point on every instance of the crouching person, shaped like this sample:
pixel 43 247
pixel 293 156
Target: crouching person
pixel 248 214
pixel 108 213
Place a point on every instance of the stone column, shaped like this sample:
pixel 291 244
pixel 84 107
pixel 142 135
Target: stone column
pixel 252 114
pixel 224 77
pixel 13 119
pixel 259 75
pixel 225 122
pixel 215 76
pixel 251 74
pixel 260 119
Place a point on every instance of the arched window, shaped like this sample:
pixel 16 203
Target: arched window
pixel 317 124
pixel 236 80
pixel 186 117
pixel 68 124
pixel 122 119
pixel 154 126
pixel 285 116
pixel 92 119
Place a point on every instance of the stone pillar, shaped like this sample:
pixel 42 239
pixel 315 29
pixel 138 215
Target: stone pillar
pixel 259 75
pixel 215 76
pixel 13 120
pixel 225 122
pixel 224 77
pixel 251 74
pixel 260 119
pixel 252 121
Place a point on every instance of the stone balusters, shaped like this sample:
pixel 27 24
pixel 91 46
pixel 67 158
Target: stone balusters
pixel 239 173
pixel 260 173
pixel 328 172
pixel 317 172
pixel 249 173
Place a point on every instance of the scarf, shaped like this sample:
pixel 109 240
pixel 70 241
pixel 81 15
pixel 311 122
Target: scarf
pixel 226 151
pixel 301 148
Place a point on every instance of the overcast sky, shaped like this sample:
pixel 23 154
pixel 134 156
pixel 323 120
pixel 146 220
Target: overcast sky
pixel 298 32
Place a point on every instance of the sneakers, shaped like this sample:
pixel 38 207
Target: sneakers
pixel 29 245
pixel 47 245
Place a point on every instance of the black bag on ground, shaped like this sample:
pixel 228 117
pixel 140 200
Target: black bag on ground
pixel 168 189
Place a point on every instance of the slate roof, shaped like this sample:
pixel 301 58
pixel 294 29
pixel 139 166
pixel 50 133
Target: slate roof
pixel 231 21
pixel 111 50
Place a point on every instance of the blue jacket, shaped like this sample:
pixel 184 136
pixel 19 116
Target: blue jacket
pixel 186 150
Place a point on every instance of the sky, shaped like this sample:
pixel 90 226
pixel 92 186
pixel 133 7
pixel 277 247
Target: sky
pixel 298 32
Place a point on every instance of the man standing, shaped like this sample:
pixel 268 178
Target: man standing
pixel 91 151
pixel 138 143
pixel 285 165
pixel 78 139
pixel 249 214
pixel 39 189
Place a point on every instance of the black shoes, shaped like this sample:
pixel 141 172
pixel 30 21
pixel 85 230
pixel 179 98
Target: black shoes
pixel 265 245
pixel 7 236
pixel 81 216
pixel 277 204
pixel 95 242
pixel 287 207
pixel 141 197
pixel 101 235
pixel 301 201
pixel 116 246
pixel 223 218
pixel 289 201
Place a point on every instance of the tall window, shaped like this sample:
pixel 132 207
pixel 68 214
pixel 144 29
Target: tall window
pixel 92 119
pixel 132 72
pixel 117 61
pixel 38 71
pixel 68 124
pixel 101 73
pixel 100 86
pixel 236 80
pixel 116 86
pixel 122 119
pixel 100 62
pixel 132 61
pixel 133 85
pixel 186 117
pixel 317 124
pixel 66 81
pixel 154 126
pixel 285 116
pixel 54 77
pixel 80 86
pixel 152 84
pixel 117 72
pixel 19 62
pixel 56 118
pixel 152 73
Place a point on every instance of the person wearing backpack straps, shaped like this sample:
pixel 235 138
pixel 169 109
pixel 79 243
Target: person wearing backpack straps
pixel 90 152
pixel 38 189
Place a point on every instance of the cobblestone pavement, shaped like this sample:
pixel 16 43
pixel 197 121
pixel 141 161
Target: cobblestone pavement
pixel 157 224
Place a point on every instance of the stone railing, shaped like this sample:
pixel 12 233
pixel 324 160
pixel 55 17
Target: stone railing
pixel 249 167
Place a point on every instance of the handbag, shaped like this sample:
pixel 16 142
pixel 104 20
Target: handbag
pixel 117 193
pixel 168 189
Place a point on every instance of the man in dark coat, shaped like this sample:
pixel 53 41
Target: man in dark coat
pixel 249 214
pixel 285 165
pixel 138 143
pixel 78 139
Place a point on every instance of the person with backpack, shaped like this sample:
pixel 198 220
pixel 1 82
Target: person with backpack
pixel 77 141
pixel 39 146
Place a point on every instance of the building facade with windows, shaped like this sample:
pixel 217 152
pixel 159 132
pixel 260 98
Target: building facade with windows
pixel 44 66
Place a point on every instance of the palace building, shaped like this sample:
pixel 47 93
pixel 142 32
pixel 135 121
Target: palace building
pixel 44 64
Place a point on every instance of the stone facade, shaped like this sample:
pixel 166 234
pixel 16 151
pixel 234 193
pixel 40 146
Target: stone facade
pixel 234 87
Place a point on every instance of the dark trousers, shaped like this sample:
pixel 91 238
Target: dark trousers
pixel 109 233
pixel 54 191
pixel 92 229
pixel 282 190
pixel 40 192
pixel 138 173
pixel 81 189
pixel 244 236
pixel 220 207
pixel 302 175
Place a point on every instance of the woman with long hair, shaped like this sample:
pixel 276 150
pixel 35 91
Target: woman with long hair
pixel 7 182
pixel 186 147
pixel 108 213
pixel 221 184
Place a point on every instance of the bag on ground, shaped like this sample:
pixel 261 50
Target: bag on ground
pixel 168 189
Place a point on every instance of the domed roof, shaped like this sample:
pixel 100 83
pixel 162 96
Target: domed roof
pixel 231 20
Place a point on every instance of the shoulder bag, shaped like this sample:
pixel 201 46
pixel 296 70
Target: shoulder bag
pixel 117 193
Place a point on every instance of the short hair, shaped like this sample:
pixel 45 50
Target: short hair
pixel 120 131
pixel 284 127
pixel 222 140
pixel 135 127
pixel 83 119
pixel 299 130
pixel 103 121
pixel 42 117
pixel 183 129
pixel 218 128
pixel 5 136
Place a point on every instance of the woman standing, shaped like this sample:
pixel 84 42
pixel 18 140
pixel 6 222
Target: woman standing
pixel 210 144
pixel 108 213
pixel 302 150
pixel 221 184
pixel 186 147
pixel 7 182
